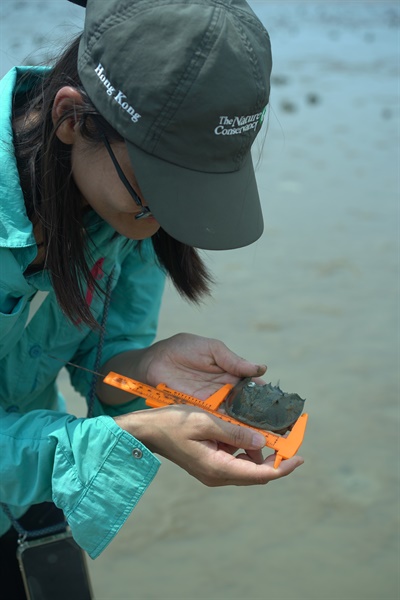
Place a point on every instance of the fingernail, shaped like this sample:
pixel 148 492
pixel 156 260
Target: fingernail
pixel 258 440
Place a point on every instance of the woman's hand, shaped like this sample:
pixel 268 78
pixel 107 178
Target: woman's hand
pixel 196 365
pixel 204 445
pixel 198 442
pixel 191 364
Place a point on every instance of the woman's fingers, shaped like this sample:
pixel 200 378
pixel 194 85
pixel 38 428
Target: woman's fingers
pixel 254 455
pixel 237 436
pixel 225 469
pixel 232 363
pixel 204 446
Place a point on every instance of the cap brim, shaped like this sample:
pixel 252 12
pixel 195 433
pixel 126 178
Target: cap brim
pixel 211 211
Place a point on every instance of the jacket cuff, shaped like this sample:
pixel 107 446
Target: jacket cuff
pixel 109 498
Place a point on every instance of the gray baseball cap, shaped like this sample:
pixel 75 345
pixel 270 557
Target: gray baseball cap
pixel 186 83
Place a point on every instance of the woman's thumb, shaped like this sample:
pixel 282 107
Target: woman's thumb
pixel 234 364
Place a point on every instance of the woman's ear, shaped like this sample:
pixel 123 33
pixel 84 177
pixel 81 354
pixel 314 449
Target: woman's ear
pixel 66 99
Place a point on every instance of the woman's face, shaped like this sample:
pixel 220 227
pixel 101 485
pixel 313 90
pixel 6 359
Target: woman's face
pixel 98 181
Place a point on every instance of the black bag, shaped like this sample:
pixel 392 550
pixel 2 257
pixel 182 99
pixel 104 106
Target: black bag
pixel 54 567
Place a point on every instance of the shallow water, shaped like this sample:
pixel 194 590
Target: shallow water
pixel 317 300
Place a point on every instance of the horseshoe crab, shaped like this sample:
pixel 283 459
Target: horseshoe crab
pixel 263 406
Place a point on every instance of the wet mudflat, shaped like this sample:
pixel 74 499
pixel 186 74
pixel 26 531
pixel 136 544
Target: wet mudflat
pixel 317 300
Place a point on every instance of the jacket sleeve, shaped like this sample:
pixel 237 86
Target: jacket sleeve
pixel 47 455
pixel 131 323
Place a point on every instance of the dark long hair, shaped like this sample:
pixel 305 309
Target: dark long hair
pixel 54 202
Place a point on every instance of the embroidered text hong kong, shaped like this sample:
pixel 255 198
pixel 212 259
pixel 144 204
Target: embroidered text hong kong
pixel 117 95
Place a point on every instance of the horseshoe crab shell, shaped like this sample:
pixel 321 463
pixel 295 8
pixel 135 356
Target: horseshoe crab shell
pixel 264 406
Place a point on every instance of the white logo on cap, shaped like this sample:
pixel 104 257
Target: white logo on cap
pixel 118 96
pixel 237 125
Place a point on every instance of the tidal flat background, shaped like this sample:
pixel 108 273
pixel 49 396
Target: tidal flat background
pixel 316 298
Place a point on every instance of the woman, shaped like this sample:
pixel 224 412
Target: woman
pixel 117 162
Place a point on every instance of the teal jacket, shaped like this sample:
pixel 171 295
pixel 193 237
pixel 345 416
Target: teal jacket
pixel 85 466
